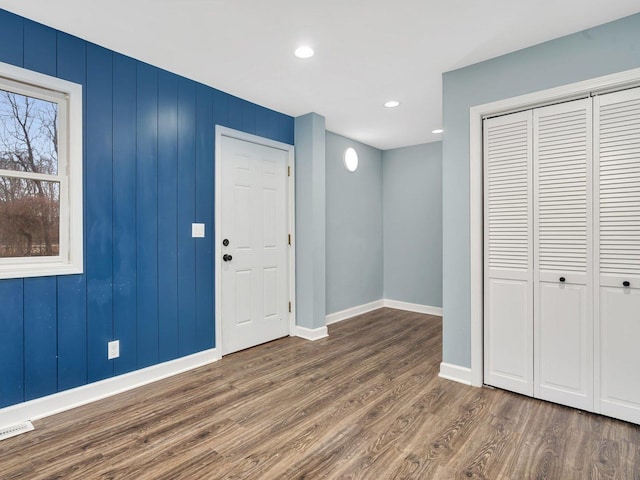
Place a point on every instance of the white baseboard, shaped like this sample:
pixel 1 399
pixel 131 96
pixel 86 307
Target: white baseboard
pixel 413 307
pixel 310 333
pixel 369 307
pixel 455 372
pixel 353 312
pixel 59 402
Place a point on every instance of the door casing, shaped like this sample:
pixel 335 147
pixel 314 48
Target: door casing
pixel 605 84
pixel 291 255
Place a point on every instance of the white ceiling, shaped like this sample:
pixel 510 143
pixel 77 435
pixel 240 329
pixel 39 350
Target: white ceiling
pixel 367 51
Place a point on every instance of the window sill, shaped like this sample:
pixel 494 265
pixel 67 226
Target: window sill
pixel 41 270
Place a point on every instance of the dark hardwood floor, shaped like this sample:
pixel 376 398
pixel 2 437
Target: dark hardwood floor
pixel 364 403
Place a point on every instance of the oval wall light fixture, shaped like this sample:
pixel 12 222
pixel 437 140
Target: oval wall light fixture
pixel 351 159
pixel 304 51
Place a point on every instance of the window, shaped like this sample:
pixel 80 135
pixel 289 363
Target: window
pixel 40 174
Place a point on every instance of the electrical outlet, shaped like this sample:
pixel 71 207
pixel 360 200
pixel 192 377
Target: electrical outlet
pixel 113 349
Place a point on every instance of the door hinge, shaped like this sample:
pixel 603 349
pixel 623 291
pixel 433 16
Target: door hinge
pixel 288 171
pixel 289 239
pixel 289 307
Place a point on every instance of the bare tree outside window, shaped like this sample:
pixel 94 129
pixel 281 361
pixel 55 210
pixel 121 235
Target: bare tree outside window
pixel 29 204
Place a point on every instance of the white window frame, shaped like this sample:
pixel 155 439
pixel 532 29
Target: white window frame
pixel 68 96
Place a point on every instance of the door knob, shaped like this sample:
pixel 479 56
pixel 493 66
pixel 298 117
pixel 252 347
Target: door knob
pixel 562 279
pixel 227 258
pixel 626 283
pixel 225 242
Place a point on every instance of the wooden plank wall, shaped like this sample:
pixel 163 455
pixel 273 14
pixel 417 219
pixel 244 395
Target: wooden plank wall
pixel 148 174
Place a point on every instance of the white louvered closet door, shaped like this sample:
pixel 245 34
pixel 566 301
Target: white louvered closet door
pixel 617 167
pixel 508 234
pixel 563 256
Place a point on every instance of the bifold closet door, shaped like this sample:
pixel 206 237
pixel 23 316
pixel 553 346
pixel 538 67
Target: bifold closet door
pixel 617 167
pixel 563 254
pixel 508 240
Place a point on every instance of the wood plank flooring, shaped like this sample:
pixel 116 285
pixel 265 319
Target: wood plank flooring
pixel 364 403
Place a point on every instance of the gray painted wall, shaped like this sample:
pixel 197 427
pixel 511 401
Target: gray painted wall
pixel 412 218
pixel 354 274
pixel 309 237
pixel 599 51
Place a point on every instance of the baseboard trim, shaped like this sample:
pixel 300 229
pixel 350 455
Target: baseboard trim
pixel 455 373
pixel 312 334
pixel 369 307
pixel 413 307
pixel 353 312
pixel 62 401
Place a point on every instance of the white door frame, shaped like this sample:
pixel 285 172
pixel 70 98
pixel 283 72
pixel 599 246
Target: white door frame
pixel 616 81
pixel 291 255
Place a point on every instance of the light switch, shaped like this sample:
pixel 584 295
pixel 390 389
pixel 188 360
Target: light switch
pixel 197 230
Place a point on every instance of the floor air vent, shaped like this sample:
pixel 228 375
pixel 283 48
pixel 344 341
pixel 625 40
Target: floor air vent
pixel 14 430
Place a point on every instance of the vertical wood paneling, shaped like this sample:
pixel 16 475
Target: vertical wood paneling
pixel 11 38
pixel 186 215
pixel 98 210
pixel 262 122
pixel 234 113
pixel 72 300
pixel 249 117
pixel 220 108
pixel 168 215
pixel 204 214
pixel 285 133
pixel 11 291
pixel 148 168
pixel 72 331
pixel 40 298
pixel 40 363
pixel 275 126
pixel 124 212
pixel 40 53
pixel 12 351
pixel 147 214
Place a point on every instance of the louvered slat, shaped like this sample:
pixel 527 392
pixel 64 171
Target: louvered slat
pixel 508 252
pixel 507 195
pixel 562 153
pixel 619 177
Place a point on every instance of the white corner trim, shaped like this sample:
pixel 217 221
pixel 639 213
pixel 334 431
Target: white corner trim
pixel 413 307
pixel 353 312
pixel 455 373
pixel 62 401
pixel 310 333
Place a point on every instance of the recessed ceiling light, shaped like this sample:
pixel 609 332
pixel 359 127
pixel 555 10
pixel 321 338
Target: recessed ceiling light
pixel 304 51
pixel 437 130
pixel 392 104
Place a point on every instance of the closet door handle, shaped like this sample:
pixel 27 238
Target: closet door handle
pixel 562 279
pixel 626 283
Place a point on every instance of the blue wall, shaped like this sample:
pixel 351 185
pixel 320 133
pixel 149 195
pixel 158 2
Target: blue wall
pixel 148 166
pixel 354 272
pixel 412 217
pixel 599 51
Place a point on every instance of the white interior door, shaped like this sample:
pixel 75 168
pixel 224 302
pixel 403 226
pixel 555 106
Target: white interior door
pixel 617 117
pixel 508 272
pixel 254 211
pixel 563 254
